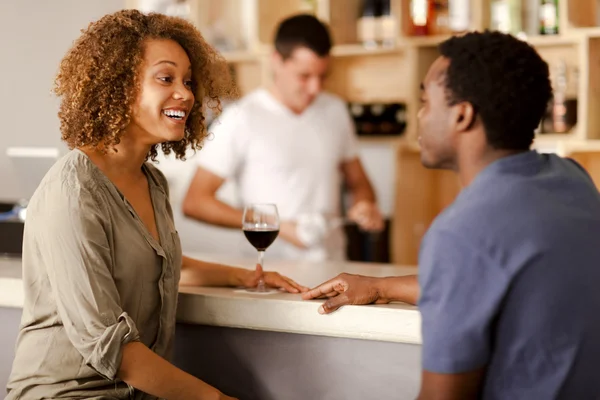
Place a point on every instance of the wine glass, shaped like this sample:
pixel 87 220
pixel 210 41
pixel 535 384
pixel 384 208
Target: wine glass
pixel 261 227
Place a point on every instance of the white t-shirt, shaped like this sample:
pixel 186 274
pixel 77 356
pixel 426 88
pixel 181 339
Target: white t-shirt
pixel 277 156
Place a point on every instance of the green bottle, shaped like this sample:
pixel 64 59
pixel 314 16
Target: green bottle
pixel 506 16
pixel 549 17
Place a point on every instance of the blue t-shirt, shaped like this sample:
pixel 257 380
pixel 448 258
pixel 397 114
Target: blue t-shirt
pixel 510 281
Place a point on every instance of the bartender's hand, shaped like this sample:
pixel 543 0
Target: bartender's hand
pixel 272 279
pixel 346 289
pixel 288 232
pixel 367 215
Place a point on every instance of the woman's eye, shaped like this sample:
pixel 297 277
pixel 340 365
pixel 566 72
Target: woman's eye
pixel 167 79
pixel 188 83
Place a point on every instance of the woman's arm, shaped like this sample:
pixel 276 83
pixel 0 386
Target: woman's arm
pixel 200 273
pixel 78 260
pixel 148 372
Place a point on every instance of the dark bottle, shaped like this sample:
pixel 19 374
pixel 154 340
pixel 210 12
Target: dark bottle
pixel 549 17
pixel 421 17
pixel 379 119
pixel 561 114
pixel 386 25
pixel 367 24
pixel 442 17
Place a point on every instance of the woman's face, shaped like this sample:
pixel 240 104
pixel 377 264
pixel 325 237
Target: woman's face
pixel 165 98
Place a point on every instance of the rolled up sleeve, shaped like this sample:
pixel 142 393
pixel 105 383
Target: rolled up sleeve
pixel 74 246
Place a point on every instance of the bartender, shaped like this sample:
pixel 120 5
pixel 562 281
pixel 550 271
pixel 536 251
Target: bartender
pixel 291 144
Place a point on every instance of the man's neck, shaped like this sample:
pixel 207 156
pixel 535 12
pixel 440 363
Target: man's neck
pixel 276 93
pixel 469 166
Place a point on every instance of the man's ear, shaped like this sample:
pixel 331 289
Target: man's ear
pixel 276 59
pixel 464 116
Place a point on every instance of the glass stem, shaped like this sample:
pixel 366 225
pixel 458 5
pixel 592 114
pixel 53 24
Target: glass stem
pixel 261 282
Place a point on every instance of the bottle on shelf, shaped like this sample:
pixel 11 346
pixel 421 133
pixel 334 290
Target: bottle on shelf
pixel 459 12
pixel 559 110
pixel 441 17
pixel 387 27
pixel 561 115
pixel 367 24
pixel 378 119
pixel 421 17
pixel 506 16
pixel 179 8
pixel 549 17
pixel 531 17
pixel 308 6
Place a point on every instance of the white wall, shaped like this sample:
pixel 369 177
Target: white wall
pixel 34 36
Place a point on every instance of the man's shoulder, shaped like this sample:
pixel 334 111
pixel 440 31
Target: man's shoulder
pixel 240 109
pixel 256 98
pixel 508 205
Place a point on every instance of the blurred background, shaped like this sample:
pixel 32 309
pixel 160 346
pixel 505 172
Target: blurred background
pixel 382 51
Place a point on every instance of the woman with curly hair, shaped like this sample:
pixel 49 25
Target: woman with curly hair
pixel 102 260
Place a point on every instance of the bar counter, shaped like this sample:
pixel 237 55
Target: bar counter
pixel 277 346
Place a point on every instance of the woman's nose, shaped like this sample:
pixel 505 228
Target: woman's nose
pixel 183 92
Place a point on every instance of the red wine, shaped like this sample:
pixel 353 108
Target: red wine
pixel 261 239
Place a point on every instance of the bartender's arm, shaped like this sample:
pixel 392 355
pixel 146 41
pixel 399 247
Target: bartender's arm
pixel 364 210
pixel 201 203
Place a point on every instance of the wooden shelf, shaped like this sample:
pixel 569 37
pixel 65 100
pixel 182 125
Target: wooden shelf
pixel 358 50
pixel 240 56
pixel 423 41
pixel 535 40
pixel 553 40
pixel 343 50
pixel 553 137
pixel 591 32
pixel 564 143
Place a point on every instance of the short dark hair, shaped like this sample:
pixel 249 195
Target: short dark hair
pixel 505 80
pixel 303 30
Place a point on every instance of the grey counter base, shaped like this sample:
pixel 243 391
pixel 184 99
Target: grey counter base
pixel 263 365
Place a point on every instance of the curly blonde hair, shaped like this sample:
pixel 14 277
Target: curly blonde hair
pixel 98 80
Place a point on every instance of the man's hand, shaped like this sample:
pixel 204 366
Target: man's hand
pixel 288 232
pixel 367 215
pixel 272 279
pixel 347 289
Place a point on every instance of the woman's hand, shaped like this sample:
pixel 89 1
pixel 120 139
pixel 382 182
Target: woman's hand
pixel 272 279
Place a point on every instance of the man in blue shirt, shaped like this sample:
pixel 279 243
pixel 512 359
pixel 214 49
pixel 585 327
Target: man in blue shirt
pixel 509 273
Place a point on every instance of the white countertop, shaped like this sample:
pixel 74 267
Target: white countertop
pixel 280 312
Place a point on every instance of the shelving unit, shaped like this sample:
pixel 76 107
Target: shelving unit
pixel 394 75
pixel 388 74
